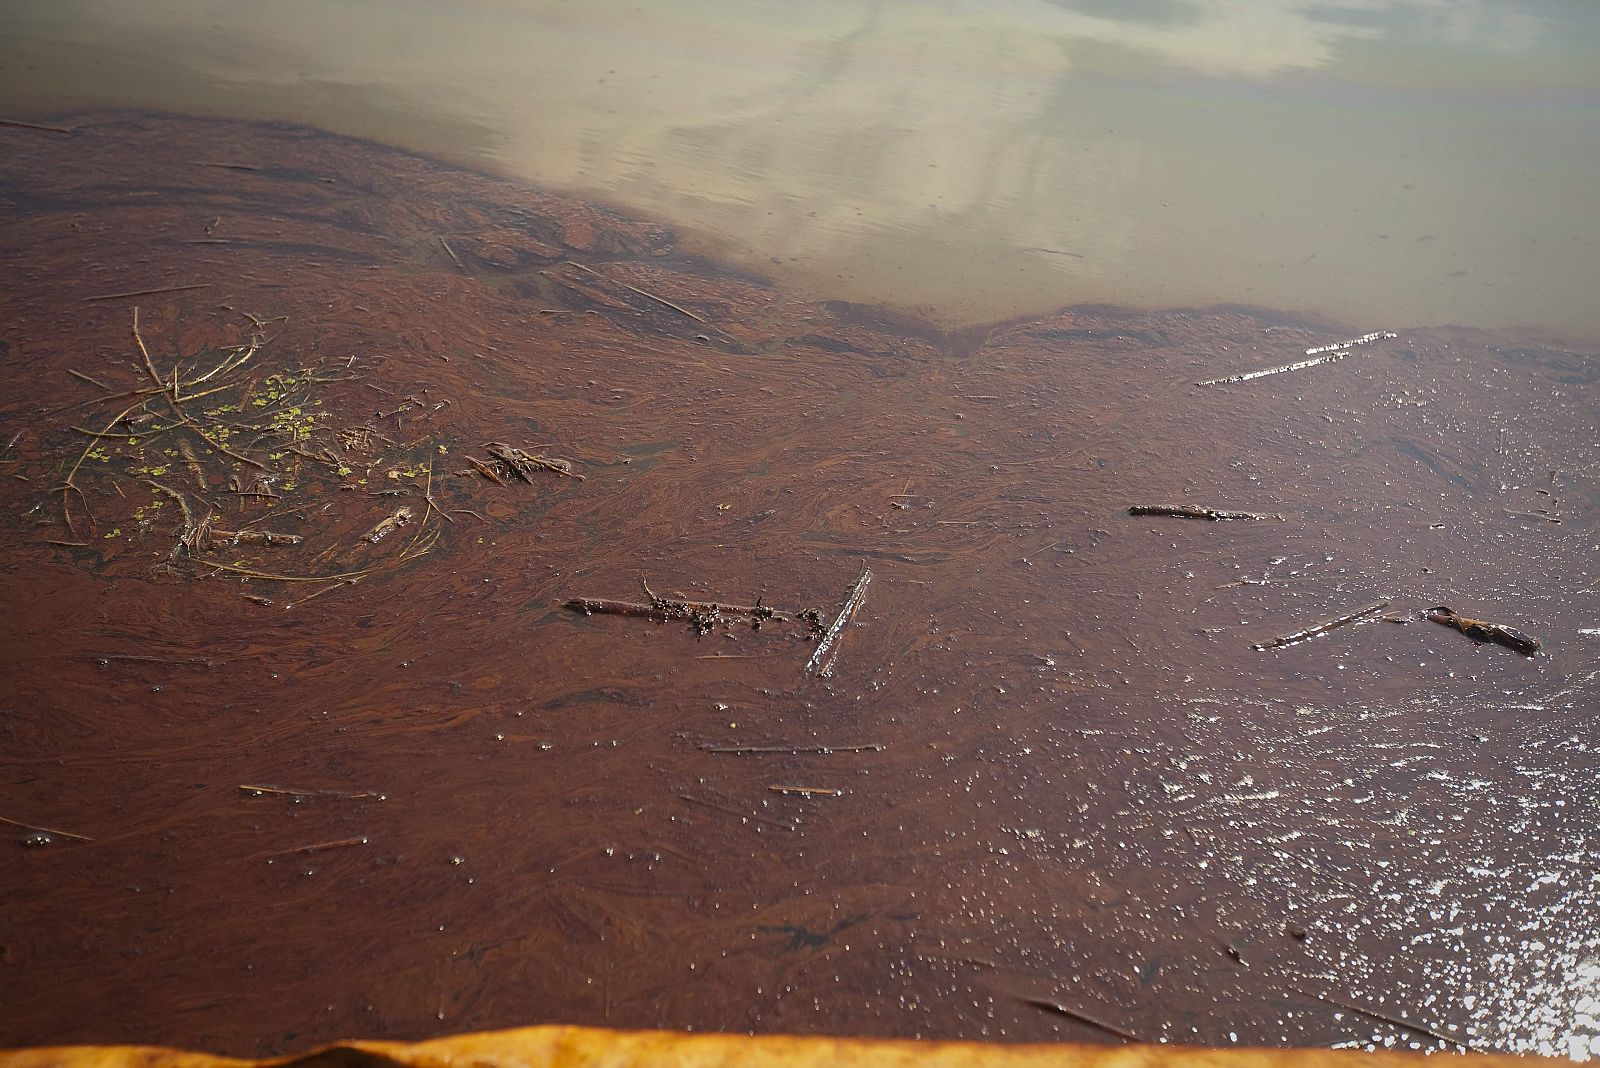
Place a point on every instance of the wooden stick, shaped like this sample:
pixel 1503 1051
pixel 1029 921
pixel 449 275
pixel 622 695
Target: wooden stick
pixel 70 486
pixel 592 605
pixel 785 824
pixel 229 452
pixel 320 846
pixel 456 259
pixel 256 537
pixel 45 830
pixel 634 289
pixel 821 662
pixel 149 364
pixel 250 572
pixel 147 292
pixel 807 791
pixel 1318 355
pixel 826 750
pixel 89 379
pixel 1373 1014
pixel 135 435
pixel 1051 1005
pixel 38 126
pixel 1195 511
pixel 1245 376
pixel 318 593
pixel 1544 516
pixel 486 471
pixel 1313 631
pixel 1364 339
pixel 666 608
pixel 284 791
pixel 171 393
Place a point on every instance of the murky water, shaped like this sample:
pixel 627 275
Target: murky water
pixel 1397 162
pixel 379 782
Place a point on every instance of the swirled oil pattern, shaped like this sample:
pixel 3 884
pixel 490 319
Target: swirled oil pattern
pixel 1049 788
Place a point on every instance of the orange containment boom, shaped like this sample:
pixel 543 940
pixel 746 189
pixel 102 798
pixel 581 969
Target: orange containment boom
pixel 587 1047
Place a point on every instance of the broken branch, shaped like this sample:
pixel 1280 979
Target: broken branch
pixel 1480 631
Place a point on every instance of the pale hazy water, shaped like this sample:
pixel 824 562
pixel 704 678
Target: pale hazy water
pixel 1382 162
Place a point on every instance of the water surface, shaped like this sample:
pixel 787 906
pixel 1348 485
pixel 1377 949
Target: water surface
pixel 1387 162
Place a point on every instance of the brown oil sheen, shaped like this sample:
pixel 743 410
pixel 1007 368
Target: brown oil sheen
pixel 1063 774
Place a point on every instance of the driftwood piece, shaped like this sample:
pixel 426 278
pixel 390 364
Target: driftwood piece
pixel 1195 511
pixel 702 615
pixel 520 464
pixel 1480 631
pixel 389 524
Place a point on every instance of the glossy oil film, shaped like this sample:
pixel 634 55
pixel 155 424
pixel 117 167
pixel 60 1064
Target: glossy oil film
pixel 991 522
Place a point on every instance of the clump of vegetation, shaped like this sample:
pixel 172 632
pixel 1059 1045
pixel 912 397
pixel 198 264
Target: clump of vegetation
pixel 234 455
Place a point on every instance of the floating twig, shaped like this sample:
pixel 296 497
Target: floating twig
pixel 485 470
pixel 339 584
pixel 285 791
pixel 821 662
pixel 1322 628
pixel 38 126
pixel 193 463
pixel 825 750
pixel 255 537
pixel 807 791
pixel 1364 339
pixel 1478 630
pixel 427 496
pixel 1051 1005
pixel 44 830
pixel 1245 376
pixel 267 576
pixel 601 606
pixel 1393 1021
pixel 730 810
pixel 1543 516
pixel 359 840
pixel 635 289
pixel 69 486
pixel 147 292
pixel 135 435
pixel 1319 354
pixel 453 257
pixel 702 615
pixel 93 381
pixel 1195 511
